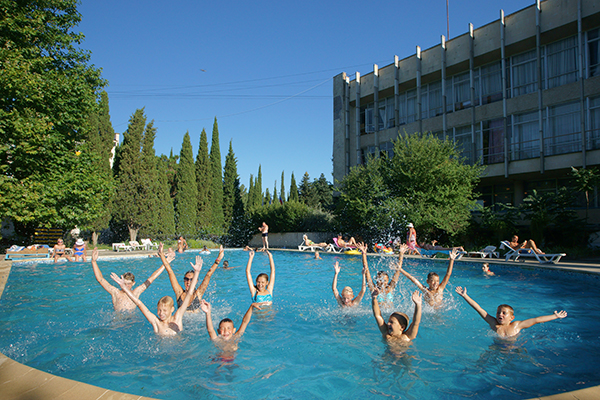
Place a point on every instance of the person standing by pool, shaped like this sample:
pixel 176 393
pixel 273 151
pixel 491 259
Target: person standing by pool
pixel 264 230
pixel 262 292
pixel 397 327
pixel 180 293
pixel 346 299
pixel 120 299
pixel 181 244
pixel 435 292
pixel 227 331
pixel 411 239
pixel 164 322
pixel 503 324
pixel 382 283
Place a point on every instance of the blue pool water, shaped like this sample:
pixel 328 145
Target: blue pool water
pixel 58 319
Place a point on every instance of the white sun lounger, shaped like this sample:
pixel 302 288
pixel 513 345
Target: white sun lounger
pixel 523 254
pixel 489 251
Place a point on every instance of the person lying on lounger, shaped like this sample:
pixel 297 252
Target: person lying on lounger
pixel 528 244
pixel 434 246
pixel 342 243
pixel 307 242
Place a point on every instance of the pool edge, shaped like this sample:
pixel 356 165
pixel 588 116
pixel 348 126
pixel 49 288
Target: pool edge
pixel 19 382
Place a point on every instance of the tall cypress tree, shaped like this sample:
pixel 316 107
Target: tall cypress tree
pixel 149 189
pixel 129 180
pixel 258 188
pixel 275 199
pixel 293 190
pixel 267 199
pixel 204 182
pixel 250 202
pixel 165 210
pixel 186 203
pixel 282 193
pixel 229 178
pixel 216 198
pixel 100 142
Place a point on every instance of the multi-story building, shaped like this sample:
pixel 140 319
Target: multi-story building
pixel 520 95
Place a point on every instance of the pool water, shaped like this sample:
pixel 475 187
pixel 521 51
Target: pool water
pixel 55 317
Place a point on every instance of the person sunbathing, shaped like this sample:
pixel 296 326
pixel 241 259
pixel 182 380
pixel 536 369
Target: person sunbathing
pixel 528 244
pixel 309 243
pixel 434 246
pixel 342 243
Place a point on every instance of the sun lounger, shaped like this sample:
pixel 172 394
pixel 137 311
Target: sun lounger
pixel 121 247
pixel 434 253
pixel 147 243
pixel 489 252
pixel 337 249
pixel 35 250
pixel 523 254
pixel 312 248
pixel 135 245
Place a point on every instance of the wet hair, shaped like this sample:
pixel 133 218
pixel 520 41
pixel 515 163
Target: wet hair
pixel 347 289
pixel 509 308
pixel 129 276
pixel 167 301
pixel 225 320
pixel 191 271
pixel 262 274
pixel 431 275
pixel 401 318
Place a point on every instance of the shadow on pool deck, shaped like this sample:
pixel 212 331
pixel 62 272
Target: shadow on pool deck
pixel 20 382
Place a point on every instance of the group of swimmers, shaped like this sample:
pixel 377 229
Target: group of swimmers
pixel 397 328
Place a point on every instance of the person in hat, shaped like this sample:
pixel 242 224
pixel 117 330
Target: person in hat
pixel 79 250
pixel 411 239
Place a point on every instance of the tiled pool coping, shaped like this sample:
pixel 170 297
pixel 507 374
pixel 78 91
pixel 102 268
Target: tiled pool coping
pixel 20 382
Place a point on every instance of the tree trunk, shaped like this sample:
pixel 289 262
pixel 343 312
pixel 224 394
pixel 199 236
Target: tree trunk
pixel 133 232
pixel 94 238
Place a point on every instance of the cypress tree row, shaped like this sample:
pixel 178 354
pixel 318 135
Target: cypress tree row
pixel 275 199
pixel 186 203
pixel 216 198
pixel 293 190
pixel 165 210
pixel 282 193
pixel 229 178
pixel 129 180
pixel 204 183
pixel 258 188
pixel 149 190
pixel 251 193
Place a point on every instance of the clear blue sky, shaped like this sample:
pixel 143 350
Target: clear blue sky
pixel 263 68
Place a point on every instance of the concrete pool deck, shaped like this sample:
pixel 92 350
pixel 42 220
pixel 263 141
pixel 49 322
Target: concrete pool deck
pixel 20 382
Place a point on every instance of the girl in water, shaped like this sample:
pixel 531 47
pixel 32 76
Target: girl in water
pixel 382 283
pixel 262 292
pixel 180 293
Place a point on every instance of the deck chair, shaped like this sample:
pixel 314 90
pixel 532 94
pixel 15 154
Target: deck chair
pixel 302 247
pixel 147 243
pixel 523 254
pixel 434 253
pixel 337 249
pixel 121 247
pixel 135 245
pixel 489 252
pixel 35 250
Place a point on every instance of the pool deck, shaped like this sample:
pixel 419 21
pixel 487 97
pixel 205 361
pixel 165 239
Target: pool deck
pixel 20 382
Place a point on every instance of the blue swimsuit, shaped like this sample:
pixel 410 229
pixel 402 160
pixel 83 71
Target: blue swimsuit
pixel 262 298
pixel 389 297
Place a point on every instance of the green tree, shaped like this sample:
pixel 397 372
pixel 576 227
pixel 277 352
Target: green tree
pixel 267 199
pixel 275 198
pixel 293 190
pixel 128 178
pixel 186 203
pixel 229 178
pixel 148 172
pixel 216 197
pixel 251 194
pixel 307 194
pixel 47 94
pixel 204 178
pixel 165 209
pixel 100 142
pixel 586 180
pixel 282 192
pixel 258 187
pixel 323 192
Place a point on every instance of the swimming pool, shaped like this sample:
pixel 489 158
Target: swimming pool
pixel 58 319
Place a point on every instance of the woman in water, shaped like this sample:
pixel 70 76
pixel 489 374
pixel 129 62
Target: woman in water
pixel 262 292
pixel 180 293
pixel 382 282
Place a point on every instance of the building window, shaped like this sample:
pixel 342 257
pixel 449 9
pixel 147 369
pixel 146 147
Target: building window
pixel 386 113
pixel 462 139
pixel 490 141
pixel 593 50
pixel 491 83
pixel 561 62
pixel 386 149
pixel 524 79
pixel 525 142
pixel 593 136
pixel 563 133
pixel 411 106
pixel 431 100
pixel 367 152
pixel 460 90
pixel 367 123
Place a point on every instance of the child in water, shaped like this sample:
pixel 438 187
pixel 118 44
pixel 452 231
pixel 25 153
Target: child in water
pixel 164 322
pixel 382 283
pixel 262 292
pixel 227 331
pixel 435 292
pixel 503 324
pixel 486 269
pixel 397 328
pixel 346 299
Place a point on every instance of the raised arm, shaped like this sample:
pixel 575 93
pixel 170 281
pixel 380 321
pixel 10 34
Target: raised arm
pixel 249 273
pixel 538 320
pixel 403 249
pixel 272 277
pixel 363 289
pixel 174 284
pixel 140 289
pixel 246 320
pixel 452 256
pixel 205 306
pixel 413 329
pixel 153 319
pixel 363 249
pixel 107 286
pixel 202 288
pixel 412 278
pixel 484 314
pixel 336 268
pixel 188 299
pixel 377 313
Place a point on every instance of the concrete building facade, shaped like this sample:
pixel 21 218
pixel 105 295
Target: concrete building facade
pixel 520 95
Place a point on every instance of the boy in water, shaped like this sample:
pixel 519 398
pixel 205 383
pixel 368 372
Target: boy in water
pixel 503 324
pixel 164 322
pixel 347 298
pixel 397 327
pixel 486 270
pixel 121 301
pixel 434 294
pixel 227 331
